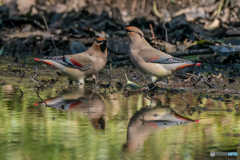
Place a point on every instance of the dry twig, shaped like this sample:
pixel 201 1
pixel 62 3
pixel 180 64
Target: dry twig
pixel 153 35
pixel 166 33
pixel 33 78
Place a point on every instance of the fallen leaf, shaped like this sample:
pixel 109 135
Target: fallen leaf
pixel 24 6
pixel 219 76
pixel 131 84
pixel 226 16
pixel 192 57
pixel 212 25
pixel 169 47
pixel 155 10
pixel 191 13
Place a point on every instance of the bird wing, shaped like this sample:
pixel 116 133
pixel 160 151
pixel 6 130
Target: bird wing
pixel 63 104
pixel 81 61
pixel 156 56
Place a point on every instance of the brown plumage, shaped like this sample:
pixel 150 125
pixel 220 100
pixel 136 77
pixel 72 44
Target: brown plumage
pixel 82 65
pixel 148 121
pixel 150 60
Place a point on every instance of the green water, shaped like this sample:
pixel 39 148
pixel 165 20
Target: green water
pixel 80 124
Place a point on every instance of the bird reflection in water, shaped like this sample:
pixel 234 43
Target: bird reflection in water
pixel 85 102
pixel 148 121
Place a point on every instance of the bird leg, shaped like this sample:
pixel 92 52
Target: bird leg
pixel 169 81
pixel 152 85
pixel 94 79
pixel 154 79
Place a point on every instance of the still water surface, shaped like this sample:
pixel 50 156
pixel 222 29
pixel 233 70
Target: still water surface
pixel 82 124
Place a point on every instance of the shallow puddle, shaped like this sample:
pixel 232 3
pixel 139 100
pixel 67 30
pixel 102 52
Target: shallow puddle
pixel 84 124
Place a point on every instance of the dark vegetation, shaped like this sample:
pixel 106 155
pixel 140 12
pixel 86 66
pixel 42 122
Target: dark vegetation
pixel 202 31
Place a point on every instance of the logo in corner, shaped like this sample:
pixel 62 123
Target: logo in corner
pixel 212 153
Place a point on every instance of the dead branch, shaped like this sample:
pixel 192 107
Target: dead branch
pixel 153 35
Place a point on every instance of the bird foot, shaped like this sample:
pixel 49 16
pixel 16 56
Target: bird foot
pixel 169 81
pixel 94 79
pixel 150 86
pixel 80 84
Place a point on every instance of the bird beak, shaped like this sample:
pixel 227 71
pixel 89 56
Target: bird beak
pixel 126 30
pixel 104 42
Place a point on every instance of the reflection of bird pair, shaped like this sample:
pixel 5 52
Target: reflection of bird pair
pixel 144 57
pixel 83 102
pixel 142 124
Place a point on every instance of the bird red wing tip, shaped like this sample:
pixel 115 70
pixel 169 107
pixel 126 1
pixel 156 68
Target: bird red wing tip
pixel 197 121
pixel 35 104
pixel 36 59
pixel 198 64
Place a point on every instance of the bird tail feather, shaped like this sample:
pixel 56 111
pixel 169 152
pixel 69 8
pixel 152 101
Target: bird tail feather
pixel 187 65
pixel 51 63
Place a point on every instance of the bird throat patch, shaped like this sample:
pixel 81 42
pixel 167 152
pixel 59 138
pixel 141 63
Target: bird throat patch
pixel 103 46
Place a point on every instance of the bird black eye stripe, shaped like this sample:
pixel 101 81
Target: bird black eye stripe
pixel 127 30
pixel 134 32
pixel 139 34
pixel 101 41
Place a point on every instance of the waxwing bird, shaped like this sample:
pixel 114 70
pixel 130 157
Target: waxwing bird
pixel 148 121
pixel 86 102
pixel 82 65
pixel 150 60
